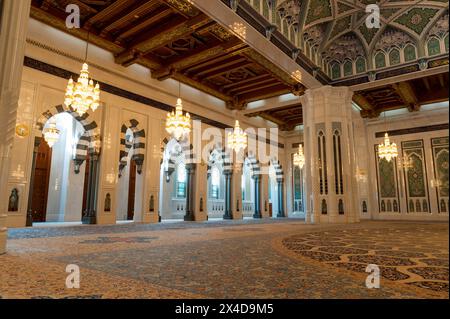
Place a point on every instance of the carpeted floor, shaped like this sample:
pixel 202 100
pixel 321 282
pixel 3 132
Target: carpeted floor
pixel 228 259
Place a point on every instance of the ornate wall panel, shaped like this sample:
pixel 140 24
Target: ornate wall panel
pixel 387 181
pixel 440 161
pixel 297 186
pixel 415 177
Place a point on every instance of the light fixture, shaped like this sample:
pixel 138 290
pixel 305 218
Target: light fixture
pixel 177 124
pixel 51 132
pixel 299 157
pixel 237 140
pixel 387 150
pixel 83 95
pixel 407 162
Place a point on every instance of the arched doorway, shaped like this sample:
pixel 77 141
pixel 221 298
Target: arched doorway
pixel 57 181
pixel 130 186
pixel 248 191
pixel 216 185
pixel 173 182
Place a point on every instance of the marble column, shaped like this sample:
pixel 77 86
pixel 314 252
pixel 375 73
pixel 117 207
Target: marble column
pixel 280 199
pixel 90 214
pixel 257 186
pixel 13 30
pixel 190 182
pixel 228 212
pixel 330 169
pixel 236 192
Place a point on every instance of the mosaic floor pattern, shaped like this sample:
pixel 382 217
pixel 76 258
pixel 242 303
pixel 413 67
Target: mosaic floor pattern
pixel 232 259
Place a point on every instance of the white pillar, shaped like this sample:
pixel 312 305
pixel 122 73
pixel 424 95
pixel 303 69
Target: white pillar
pixel 330 173
pixel 236 192
pixel 13 29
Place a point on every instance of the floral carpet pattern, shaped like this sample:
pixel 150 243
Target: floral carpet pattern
pixel 228 259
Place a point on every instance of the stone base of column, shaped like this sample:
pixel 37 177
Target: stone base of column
pixel 227 216
pixel 257 215
pixel 3 234
pixel 189 217
pixel 89 218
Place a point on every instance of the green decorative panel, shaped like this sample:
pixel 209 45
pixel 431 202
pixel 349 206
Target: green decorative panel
pixel 342 7
pixel 368 34
pixel 441 166
pixel 360 65
pixel 415 176
pixel 416 19
pixel 278 21
pixel 387 13
pixel 318 9
pixel 336 71
pixel 266 10
pixel 348 68
pixel 380 60
pixel 387 181
pixel 257 5
pixel 410 53
pixel 341 25
pixel 433 46
pixel 394 57
pixel 285 29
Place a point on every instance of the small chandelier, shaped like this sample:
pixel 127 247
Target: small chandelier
pixel 83 95
pixel 387 150
pixel 177 124
pixel 237 140
pixel 299 157
pixel 51 133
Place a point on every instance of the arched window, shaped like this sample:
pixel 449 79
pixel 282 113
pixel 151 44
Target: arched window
pixel 380 60
pixel 434 47
pixel 410 53
pixel 180 184
pixel 335 71
pixel 215 183
pixel 266 10
pixel 360 65
pixel 394 57
pixel 446 43
pixel 257 5
pixel 348 68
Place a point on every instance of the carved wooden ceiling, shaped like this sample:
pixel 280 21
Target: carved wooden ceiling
pixel 410 94
pixel 174 40
pixel 286 117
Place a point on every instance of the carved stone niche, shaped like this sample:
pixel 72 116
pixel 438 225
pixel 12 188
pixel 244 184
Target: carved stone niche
pixel 108 202
pixel 13 204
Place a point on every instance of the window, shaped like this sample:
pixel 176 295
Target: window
pixel 434 47
pixel 335 71
pixel 348 68
pixel 410 53
pixel 360 65
pixel 215 183
pixel 380 60
pixel 394 57
pixel 181 181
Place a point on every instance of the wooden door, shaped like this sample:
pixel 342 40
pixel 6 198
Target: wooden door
pixel 41 182
pixel 131 190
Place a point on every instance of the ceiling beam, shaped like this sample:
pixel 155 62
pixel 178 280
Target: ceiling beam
pixel 176 28
pixel 406 93
pixel 109 12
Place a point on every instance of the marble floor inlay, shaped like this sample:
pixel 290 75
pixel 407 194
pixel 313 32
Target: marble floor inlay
pixel 231 259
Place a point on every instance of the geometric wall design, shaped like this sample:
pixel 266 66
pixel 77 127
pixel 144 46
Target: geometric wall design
pixel 387 181
pixel 441 164
pixel 415 175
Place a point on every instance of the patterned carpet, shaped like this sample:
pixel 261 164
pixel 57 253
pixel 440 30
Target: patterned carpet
pixel 228 259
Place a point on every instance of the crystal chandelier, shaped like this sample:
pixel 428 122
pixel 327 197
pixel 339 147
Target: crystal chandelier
pixel 177 124
pixel 83 95
pixel 387 150
pixel 51 133
pixel 237 140
pixel 299 157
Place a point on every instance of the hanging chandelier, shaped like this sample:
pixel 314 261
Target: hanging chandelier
pixel 237 140
pixel 177 124
pixel 299 157
pixel 387 150
pixel 51 133
pixel 83 95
